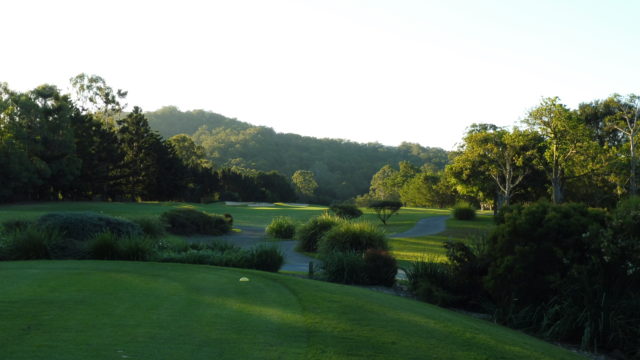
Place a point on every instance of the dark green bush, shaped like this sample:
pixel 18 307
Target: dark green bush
pixel 30 243
pixel 266 258
pixel 10 226
pixel 346 211
pixel 344 267
pixel 282 227
pixel 135 248
pixel 191 221
pixel 381 268
pixel 81 226
pixel 151 227
pixel 228 218
pixel 464 211
pixel 432 282
pixel 353 237
pixel 309 234
pixel 103 246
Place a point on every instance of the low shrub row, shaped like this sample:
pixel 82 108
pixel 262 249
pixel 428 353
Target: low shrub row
pixel 262 257
pixel 186 221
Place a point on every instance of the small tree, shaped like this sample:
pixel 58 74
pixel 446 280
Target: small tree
pixel 385 208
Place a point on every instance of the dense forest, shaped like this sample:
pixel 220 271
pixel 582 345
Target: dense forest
pixel 342 168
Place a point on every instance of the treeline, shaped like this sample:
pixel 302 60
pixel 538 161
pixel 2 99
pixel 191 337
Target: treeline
pixel 341 168
pixel 586 155
pixel 56 146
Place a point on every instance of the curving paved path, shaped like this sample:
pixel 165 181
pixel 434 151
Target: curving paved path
pixel 252 235
pixel 295 261
pixel 427 226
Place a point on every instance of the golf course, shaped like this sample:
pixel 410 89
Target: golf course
pixel 144 310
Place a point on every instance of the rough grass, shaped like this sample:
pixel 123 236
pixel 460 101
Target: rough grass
pixel 112 310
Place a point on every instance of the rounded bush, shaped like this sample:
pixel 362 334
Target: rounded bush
pixel 381 268
pixel 353 237
pixel 309 234
pixel 346 211
pixel 464 211
pixel 282 227
pixel 191 221
pixel 81 226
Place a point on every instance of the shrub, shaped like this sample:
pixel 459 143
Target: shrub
pixel 344 267
pixel 281 227
pixel 464 211
pixel 135 248
pixel 81 226
pixel 380 267
pixel 431 281
pixel 228 218
pixel 30 244
pixel 353 237
pixel 10 226
pixel 103 246
pixel 266 258
pixel 191 221
pixel 346 211
pixel 151 227
pixel 309 234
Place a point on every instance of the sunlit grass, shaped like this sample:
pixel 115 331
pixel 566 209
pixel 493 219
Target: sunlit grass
pixel 106 310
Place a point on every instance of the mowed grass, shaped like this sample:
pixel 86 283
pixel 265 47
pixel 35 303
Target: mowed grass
pixel 431 247
pixel 243 215
pixel 114 310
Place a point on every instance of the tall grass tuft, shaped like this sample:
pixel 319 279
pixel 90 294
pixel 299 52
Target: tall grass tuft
pixel 281 227
pixel 309 234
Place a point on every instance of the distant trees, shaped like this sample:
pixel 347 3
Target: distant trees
pixel 53 147
pixel 305 183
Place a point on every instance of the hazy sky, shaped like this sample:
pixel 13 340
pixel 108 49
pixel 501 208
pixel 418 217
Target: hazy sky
pixel 386 71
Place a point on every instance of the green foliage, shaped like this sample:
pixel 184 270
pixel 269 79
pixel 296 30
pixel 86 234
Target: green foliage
pixel 103 246
pixel 282 227
pixel 432 281
pixel 464 211
pixel 346 211
pixel 13 225
pixel 381 268
pixel 262 257
pixel 266 258
pixel 385 209
pixel 353 237
pixel 344 267
pixel 190 221
pixel 136 248
pixel 309 234
pixel 81 226
pixel 151 227
pixel 29 244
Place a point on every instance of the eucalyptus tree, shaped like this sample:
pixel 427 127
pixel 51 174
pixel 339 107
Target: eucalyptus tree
pixel 496 160
pixel 571 149
pixel 627 121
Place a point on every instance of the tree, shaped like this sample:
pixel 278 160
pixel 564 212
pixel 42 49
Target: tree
pixel 304 182
pixel 93 95
pixel 385 209
pixel 626 121
pixel 191 154
pixel 502 156
pixel 569 144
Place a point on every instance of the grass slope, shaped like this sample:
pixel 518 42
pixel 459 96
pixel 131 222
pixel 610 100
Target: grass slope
pixel 107 310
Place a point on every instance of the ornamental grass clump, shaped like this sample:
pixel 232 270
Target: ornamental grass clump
pixel 281 227
pixel 353 237
pixel 309 234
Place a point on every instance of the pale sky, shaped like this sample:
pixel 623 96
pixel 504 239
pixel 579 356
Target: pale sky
pixel 386 71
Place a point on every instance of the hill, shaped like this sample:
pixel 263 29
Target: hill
pixel 342 168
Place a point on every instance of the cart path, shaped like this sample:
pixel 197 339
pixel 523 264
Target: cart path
pixel 427 226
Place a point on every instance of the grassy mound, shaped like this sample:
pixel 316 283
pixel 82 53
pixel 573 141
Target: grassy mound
pixel 107 310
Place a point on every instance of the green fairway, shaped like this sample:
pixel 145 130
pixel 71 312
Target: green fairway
pixel 243 215
pixel 114 310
